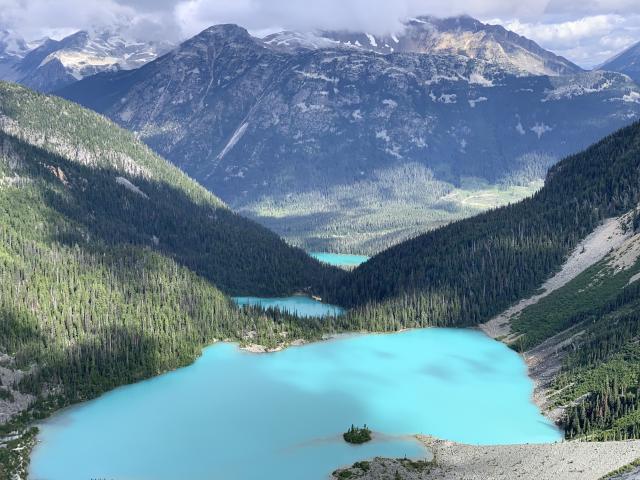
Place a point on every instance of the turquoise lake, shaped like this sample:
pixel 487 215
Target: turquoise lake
pixel 298 304
pixel 235 415
pixel 339 259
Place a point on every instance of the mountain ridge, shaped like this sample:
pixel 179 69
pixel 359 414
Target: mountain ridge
pixel 257 124
pixel 53 64
pixel 627 62
pixel 426 34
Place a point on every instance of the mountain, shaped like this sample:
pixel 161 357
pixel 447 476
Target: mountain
pixel 525 242
pixel 460 35
pixel 306 141
pixel 239 256
pixel 555 276
pixel 627 62
pixel 13 48
pixel 56 63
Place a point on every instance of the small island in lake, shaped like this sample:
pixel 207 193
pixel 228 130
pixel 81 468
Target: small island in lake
pixel 357 434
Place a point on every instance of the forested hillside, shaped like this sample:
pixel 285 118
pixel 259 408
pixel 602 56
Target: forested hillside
pixel 600 378
pixel 583 338
pixel 121 192
pixel 464 273
pixel 114 266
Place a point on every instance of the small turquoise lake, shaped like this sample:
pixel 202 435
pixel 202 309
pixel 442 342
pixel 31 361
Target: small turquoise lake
pixel 235 415
pixel 339 259
pixel 299 304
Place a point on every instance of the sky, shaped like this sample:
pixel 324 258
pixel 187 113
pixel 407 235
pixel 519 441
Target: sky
pixel 585 31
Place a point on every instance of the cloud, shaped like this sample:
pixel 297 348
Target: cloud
pixel 586 31
pixel 578 8
pixel 588 40
pixel 374 16
pixel 37 18
pixel 566 34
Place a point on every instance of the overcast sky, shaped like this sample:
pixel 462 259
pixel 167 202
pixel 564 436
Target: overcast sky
pixel 585 31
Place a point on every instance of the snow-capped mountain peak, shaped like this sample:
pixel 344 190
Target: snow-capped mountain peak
pixel 291 41
pixel 56 63
pixel 12 45
pixel 461 35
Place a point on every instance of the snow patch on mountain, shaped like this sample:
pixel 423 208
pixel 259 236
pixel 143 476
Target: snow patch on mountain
pixel 130 186
pixel 540 129
pixel 383 135
pixel 475 101
pixel 448 98
pixel 317 76
pixel 237 135
pixel 632 97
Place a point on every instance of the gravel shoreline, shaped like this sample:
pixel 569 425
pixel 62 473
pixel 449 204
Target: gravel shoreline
pixel 553 461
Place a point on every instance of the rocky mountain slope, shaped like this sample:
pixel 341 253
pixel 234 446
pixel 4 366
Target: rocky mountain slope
pixel 627 62
pixel 271 129
pixel 461 35
pixel 53 64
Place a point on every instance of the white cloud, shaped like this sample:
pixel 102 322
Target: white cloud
pixel 588 40
pixel 565 34
pixel 37 18
pixel 585 31
pixel 375 16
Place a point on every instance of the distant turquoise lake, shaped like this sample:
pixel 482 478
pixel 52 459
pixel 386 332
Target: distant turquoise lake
pixel 235 415
pixel 339 259
pixel 298 304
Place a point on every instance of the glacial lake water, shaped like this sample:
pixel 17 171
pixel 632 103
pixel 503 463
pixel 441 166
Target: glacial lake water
pixel 235 415
pixel 301 305
pixel 339 259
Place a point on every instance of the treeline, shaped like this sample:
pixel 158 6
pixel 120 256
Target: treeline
pixel 464 273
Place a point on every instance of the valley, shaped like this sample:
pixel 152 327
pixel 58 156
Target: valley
pixel 368 217
pixel 216 256
pixel 346 149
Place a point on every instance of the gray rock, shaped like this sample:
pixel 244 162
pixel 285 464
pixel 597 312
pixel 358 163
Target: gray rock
pixel 249 117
